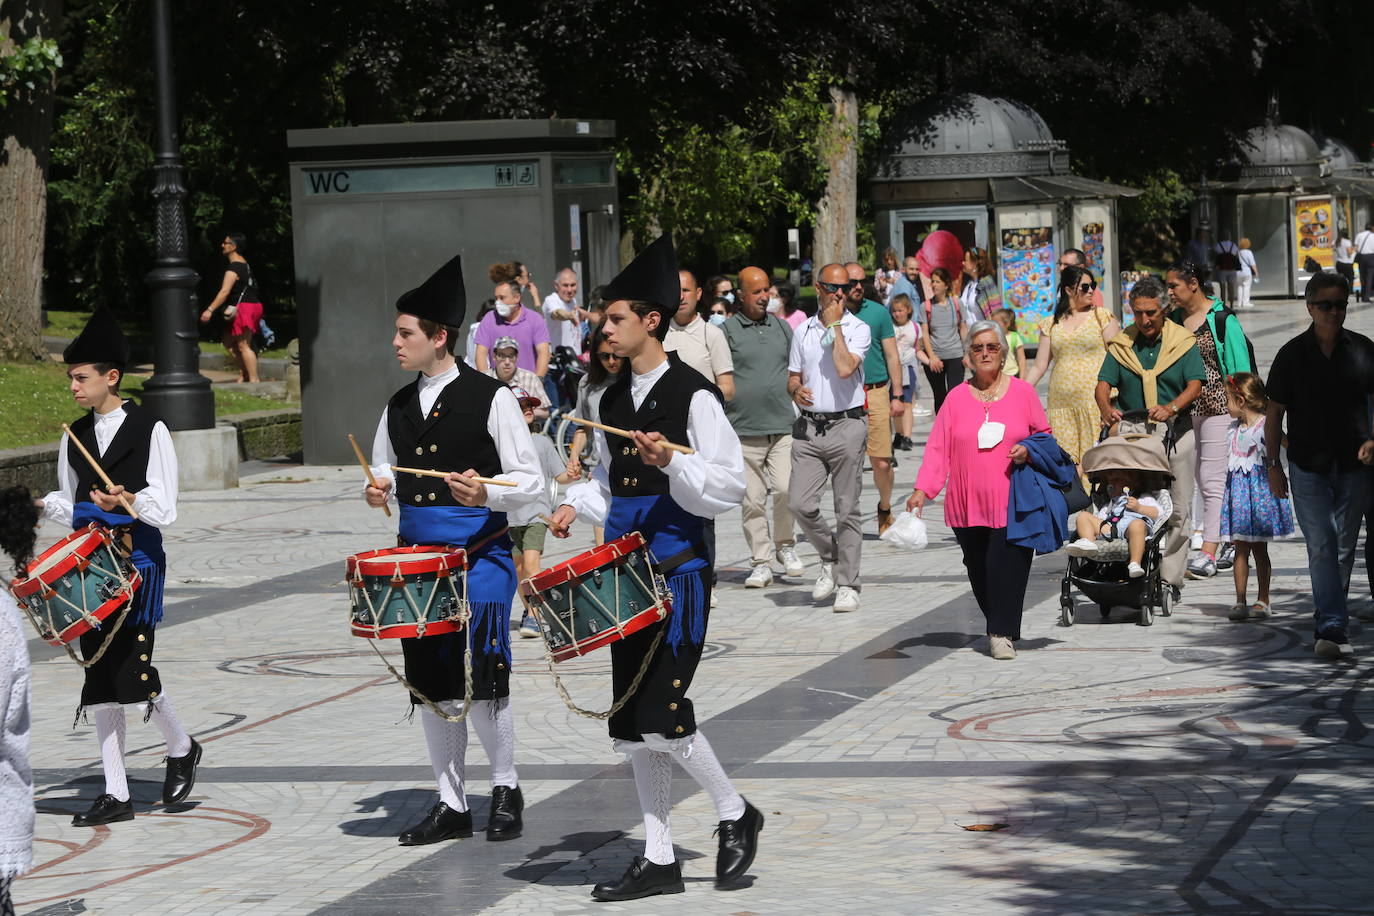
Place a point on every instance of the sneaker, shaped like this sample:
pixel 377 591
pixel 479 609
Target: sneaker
pixel 529 629
pixel 825 583
pixel 1196 542
pixel 920 410
pixel 761 576
pixel 1083 547
pixel 897 443
pixel 1135 570
pixel 1332 648
pixel 1226 557
pixel 1001 648
pixel 846 600
pixel 1366 612
pixel 1204 566
pixel 791 563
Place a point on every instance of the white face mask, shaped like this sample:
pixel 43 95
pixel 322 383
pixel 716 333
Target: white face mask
pixel 774 305
pixel 504 309
pixel 717 319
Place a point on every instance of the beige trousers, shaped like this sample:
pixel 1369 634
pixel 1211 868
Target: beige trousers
pixel 767 466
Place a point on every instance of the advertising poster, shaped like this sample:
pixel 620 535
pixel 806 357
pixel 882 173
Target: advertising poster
pixel 1027 261
pixel 1094 249
pixel 1129 278
pixel 1314 226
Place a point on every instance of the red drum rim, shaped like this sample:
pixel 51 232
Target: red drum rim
pixel 389 560
pixel 636 623
pixel 584 564
pixel 80 627
pixel 87 540
pixel 406 630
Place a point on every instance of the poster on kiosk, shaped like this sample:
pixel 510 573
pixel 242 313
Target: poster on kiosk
pixel 1314 229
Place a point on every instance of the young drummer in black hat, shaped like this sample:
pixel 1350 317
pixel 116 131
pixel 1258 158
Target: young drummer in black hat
pixel 135 450
pixel 454 418
pixel 666 496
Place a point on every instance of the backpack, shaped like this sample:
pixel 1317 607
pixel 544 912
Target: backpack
pixel 1220 322
pixel 1228 259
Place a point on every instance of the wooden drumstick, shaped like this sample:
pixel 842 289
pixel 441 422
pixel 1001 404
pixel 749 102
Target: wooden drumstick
pixel 123 497
pixel 367 469
pixel 491 482
pixel 671 446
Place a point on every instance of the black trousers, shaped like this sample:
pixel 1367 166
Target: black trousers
pixel 125 673
pixel 1366 262
pixel 998 572
pixel 941 382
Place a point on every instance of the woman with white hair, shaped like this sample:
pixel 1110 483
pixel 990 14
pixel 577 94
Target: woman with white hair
pixel 970 453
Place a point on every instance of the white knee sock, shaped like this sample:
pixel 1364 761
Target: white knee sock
pixel 699 760
pixel 495 725
pixel 448 746
pixel 654 783
pixel 109 731
pixel 164 716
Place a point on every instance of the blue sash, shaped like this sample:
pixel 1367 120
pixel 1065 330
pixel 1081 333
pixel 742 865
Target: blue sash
pixel 670 530
pixel 148 558
pixel 491 570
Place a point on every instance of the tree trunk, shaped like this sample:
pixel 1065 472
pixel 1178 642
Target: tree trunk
pixel 26 130
pixel 835 236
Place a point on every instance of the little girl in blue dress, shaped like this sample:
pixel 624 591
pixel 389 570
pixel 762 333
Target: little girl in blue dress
pixel 1251 515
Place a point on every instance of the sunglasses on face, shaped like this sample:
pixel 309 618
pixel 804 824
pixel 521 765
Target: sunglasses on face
pixel 1327 305
pixel 986 348
pixel 838 287
pixel 607 357
pixel 1086 287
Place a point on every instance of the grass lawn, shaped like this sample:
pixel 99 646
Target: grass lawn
pixel 67 325
pixel 35 402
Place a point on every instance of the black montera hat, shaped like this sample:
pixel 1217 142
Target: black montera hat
pixel 651 277
pixel 100 341
pixel 441 298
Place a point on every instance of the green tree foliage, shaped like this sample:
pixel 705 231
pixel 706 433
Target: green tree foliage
pixel 25 66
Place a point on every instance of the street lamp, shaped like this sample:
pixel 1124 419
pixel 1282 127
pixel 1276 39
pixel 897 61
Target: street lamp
pixel 177 392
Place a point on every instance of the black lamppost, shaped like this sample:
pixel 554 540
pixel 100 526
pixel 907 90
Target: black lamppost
pixel 177 392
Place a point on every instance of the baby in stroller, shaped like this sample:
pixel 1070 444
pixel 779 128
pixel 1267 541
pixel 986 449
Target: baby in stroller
pixel 1131 511
pixel 1116 560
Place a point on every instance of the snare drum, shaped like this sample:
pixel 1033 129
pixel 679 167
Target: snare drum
pixel 598 597
pixel 76 584
pixel 407 591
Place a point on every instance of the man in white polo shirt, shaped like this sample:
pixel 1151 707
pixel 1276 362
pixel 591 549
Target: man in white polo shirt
pixel 698 344
pixel 826 381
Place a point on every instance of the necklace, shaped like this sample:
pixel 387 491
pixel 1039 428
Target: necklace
pixel 992 393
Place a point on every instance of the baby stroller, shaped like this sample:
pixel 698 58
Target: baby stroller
pixel 1104 578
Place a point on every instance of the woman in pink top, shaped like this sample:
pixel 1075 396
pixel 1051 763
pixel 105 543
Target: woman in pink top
pixel 970 454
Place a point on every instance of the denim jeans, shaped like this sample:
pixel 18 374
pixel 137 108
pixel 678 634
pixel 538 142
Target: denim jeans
pixel 1329 508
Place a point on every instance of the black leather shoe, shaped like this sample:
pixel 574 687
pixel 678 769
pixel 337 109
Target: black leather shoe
pixel 181 775
pixel 739 841
pixel 642 879
pixel 441 823
pixel 106 810
pixel 503 821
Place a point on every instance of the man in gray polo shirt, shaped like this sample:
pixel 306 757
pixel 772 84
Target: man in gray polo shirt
pixel 762 415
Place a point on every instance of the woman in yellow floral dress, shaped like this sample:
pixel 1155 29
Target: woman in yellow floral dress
pixel 1074 340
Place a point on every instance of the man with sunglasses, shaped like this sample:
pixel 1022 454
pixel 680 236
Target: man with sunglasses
pixel 1321 382
pixel 825 380
pixel 882 387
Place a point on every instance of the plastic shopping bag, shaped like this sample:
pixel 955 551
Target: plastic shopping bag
pixel 907 530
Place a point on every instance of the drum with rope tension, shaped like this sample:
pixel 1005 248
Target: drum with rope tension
pixel 76 584
pixel 411 591
pixel 598 597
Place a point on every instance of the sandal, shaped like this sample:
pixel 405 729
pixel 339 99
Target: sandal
pixel 1238 612
pixel 884 519
pixel 1261 609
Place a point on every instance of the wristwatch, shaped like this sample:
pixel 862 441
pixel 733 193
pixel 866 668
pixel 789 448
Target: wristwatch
pixel 1271 462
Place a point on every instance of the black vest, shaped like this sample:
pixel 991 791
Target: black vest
pixel 453 437
pixel 126 460
pixel 664 410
